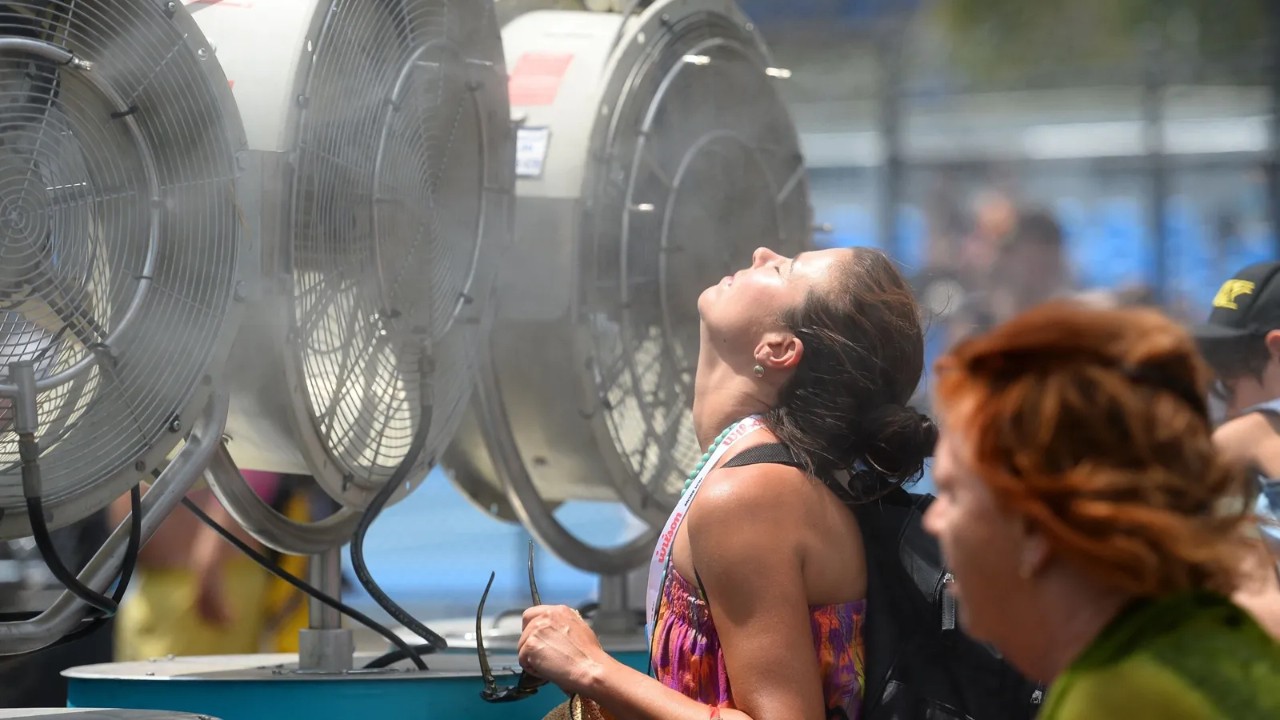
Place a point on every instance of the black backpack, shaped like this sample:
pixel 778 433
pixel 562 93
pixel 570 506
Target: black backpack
pixel 919 664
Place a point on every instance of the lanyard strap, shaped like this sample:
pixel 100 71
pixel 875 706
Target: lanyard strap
pixel 661 560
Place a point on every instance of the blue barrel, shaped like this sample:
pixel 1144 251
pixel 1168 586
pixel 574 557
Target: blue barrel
pixel 269 687
pixel 110 714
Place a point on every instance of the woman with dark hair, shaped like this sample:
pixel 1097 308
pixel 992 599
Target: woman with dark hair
pixel 1086 516
pixel 757 587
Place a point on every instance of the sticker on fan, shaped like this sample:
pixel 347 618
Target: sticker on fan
pixel 536 78
pixel 531 151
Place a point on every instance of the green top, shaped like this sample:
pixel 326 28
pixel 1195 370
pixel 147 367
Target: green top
pixel 1193 656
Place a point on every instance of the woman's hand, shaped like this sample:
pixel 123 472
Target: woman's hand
pixel 557 645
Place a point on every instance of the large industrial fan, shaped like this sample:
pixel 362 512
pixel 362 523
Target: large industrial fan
pixel 382 132
pixel 654 154
pixel 381 140
pixel 122 246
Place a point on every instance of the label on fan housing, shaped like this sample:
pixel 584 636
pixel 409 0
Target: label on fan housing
pixel 536 78
pixel 531 151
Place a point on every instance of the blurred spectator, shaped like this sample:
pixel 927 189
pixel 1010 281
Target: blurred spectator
pixel 198 595
pixel 995 220
pixel 1026 266
pixel 1084 512
pixel 193 593
pixel 1241 341
pixel 1031 268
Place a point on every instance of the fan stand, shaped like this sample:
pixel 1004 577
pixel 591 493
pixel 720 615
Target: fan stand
pixel 618 614
pixel 324 645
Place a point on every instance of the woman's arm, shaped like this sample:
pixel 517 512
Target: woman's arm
pixel 743 532
pixel 210 554
pixel 558 645
pixel 1252 441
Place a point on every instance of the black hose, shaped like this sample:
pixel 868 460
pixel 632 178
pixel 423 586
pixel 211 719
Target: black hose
pixel 380 500
pixel 134 546
pixel 29 452
pixel 93 621
pixel 276 570
pixel 390 658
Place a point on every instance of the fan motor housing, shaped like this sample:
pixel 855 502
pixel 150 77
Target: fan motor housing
pixel 654 155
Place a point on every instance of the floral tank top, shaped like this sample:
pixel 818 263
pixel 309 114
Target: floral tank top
pixel 687 656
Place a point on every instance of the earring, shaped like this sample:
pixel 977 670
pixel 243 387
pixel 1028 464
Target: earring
pixel 758 370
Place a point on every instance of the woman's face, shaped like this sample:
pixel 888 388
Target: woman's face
pixel 742 307
pixel 981 542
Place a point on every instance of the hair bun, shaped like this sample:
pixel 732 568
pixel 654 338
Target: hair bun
pixel 899 438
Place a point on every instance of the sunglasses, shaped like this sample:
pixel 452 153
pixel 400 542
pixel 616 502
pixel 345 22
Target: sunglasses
pixel 527 683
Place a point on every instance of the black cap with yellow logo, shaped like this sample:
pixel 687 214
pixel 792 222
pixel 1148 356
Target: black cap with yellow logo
pixel 1247 304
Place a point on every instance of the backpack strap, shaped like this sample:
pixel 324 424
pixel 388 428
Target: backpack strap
pixel 768 453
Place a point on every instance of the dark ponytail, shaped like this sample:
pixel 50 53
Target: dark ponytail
pixel 899 439
pixel 863 358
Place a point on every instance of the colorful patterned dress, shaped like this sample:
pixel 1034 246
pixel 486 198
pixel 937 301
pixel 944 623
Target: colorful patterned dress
pixel 687 656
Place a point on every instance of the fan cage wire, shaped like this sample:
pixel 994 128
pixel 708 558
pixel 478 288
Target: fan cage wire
pixel 700 72
pixel 391 148
pixel 119 250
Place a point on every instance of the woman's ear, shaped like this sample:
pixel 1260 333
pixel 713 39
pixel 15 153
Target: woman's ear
pixel 1033 556
pixel 779 351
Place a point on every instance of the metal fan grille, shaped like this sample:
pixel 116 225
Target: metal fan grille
pixel 387 235
pixel 712 170
pixel 118 237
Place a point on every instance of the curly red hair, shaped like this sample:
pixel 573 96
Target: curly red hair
pixel 1092 424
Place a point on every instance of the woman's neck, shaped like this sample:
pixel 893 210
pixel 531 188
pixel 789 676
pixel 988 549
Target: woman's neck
pixel 720 398
pixel 1071 617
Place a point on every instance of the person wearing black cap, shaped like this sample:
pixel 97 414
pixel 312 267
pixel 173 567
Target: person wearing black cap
pixel 1241 342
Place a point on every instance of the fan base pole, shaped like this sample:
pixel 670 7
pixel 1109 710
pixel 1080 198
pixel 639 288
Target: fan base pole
pixel 617 615
pixel 325 646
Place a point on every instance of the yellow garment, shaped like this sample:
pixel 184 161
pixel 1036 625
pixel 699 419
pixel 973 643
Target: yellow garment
pixel 286 606
pixel 159 618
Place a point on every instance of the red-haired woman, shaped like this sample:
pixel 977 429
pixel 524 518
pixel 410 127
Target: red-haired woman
pixel 1079 507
